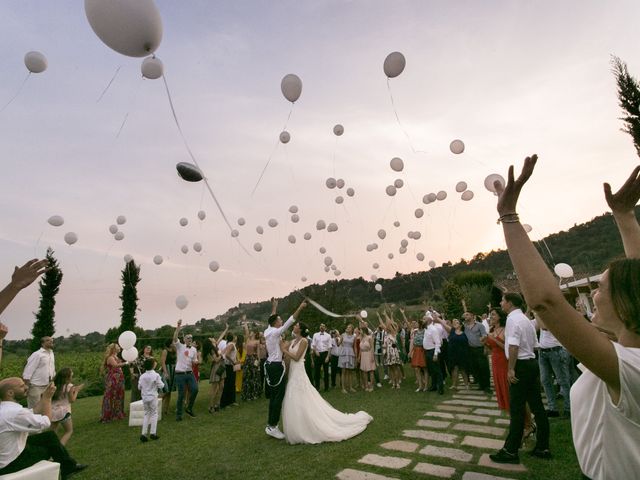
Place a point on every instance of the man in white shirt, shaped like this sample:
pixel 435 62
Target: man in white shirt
pixel 432 343
pixel 274 368
pixel 524 383
pixel 186 355
pixel 321 346
pixel 25 438
pixel 39 371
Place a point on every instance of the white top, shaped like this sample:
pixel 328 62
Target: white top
pixel 485 324
pixel 272 340
pixel 432 339
pixel 548 340
pixel 606 435
pixel 335 348
pixel 149 383
pixel 222 345
pixel 519 331
pixel 16 423
pixel 185 357
pixel 41 368
pixel 321 342
pixel 443 333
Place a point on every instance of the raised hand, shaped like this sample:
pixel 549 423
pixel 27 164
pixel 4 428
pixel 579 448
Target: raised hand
pixel 626 198
pixel 25 275
pixel 3 331
pixel 508 196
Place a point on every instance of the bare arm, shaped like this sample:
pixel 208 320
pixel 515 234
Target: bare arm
pixel 22 277
pixel 274 306
pixel 177 332
pixel 73 392
pixel 43 407
pixel 622 204
pixel 543 295
pixel 438 319
pixel 224 333
pixel 245 327
pixel 163 363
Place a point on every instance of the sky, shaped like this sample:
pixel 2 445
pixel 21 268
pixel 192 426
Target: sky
pixel 509 78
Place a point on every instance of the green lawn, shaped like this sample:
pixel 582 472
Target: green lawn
pixel 232 444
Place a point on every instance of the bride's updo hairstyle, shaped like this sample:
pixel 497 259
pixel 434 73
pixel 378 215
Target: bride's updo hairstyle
pixel 304 330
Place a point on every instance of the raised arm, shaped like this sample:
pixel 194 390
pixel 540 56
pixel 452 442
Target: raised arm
pixel 22 277
pixel 3 333
pixel 438 318
pixel 177 332
pixel 541 290
pixel 274 306
pixel 223 334
pixel 622 204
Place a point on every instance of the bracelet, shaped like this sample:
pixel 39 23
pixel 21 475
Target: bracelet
pixel 509 218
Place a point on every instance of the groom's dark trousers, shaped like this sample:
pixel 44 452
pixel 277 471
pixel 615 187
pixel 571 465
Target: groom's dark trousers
pixel 321 363
pixel 276 387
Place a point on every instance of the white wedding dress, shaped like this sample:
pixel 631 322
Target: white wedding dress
pixel 309 418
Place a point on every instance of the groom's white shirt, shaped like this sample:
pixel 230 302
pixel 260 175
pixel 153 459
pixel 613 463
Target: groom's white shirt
pixel 272 340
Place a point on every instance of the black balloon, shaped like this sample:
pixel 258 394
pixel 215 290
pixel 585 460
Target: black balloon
pixel 189 172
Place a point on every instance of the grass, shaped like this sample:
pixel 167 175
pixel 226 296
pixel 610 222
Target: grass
pixel 232 444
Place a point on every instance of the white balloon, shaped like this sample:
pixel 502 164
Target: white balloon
pixel 273 223
pixel 364 314
pixel 184 221
pixel 369 248
pixel 257 247
pixel 397 165
pixel 457 147
pixel 152 68
pixel 181 302
pixel 489 182
pixel 323 250
pixel 70 238
pixel 394 64
pixel 340 183
pixel 351 192
pixel 127 258
pixel 197 247
pixel 461 187
pixel 396 223
pixel 328 261
pixel 398 183
pixel 326 269
pixel 320 225
pixel 410 234
pixel 420 257
pixel 293 209
pixel 307 236
pixel 241 221
pixel 184 249
pixel 334 267
pixel 285 136
pixel 291 87
pixel 418 213
pixel 338 130
pixel 432 264
pixel 130 27
pixel 214 266
pixel 292 239
pixel 339 199
pixel 35 62
pixel 382 234
pixel 157 259
pixel 57 221
pixel 331 182
pixel 417 235
pixel 390 256
pixel 527 227
pixel 303 279
pixel 202 214
pixel 337 272
pixel 441 195
pixel 374 278
pixel 235 233
pixel 404 243
pixel 259 230
pixel 429 198
pixel 127 339
pixel 466 196
pixel 295 218
pixel 374 246
pixel 563 270
pixel 121 220
pixel 113 229
pixel 375 266
pixel 119 236
pixel 391 190
pixel 403 250
pixel 130 354
pixel 332 227
pixel 378 287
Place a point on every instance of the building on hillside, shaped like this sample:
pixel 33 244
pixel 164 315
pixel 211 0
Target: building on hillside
pixel 579 292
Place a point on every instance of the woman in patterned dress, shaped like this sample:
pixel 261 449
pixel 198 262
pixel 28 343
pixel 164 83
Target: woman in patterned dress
pixel 347 359
pixel 113 399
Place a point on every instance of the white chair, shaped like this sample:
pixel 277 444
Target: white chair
pixel 42 470
pixel 136 413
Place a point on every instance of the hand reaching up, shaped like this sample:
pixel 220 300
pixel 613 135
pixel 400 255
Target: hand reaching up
pixel 626 198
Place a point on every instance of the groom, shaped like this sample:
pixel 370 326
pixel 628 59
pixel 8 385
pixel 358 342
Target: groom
pixel 274 367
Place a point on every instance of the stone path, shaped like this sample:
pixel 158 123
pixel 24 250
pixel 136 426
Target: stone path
pixel 453 440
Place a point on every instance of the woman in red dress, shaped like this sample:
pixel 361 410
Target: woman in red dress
pixel 113 400
pixel 499 362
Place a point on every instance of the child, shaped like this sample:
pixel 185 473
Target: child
pixel 149 383
pixel 61 402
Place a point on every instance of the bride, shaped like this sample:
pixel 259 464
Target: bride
pixel 306 416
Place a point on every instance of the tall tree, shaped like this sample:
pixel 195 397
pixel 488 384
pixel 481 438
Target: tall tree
pixel 629 98
pixel 129 296
pixel 49 286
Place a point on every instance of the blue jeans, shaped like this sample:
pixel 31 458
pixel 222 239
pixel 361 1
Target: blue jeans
pixel 181 380
pixel 558 361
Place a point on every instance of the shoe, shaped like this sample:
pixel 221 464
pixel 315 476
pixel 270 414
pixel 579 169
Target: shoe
pixel 379 385
pixel 78 468
pixel 274 432
pixel 543 454
pixel 505 457
pixel 552 413
pixel 153 436
pixel 344 391
pixel 210 409
pixel 453 387
pixel 418 390
pixel 190 413
pixel 386 377
pixel 143 438
pixel 432 389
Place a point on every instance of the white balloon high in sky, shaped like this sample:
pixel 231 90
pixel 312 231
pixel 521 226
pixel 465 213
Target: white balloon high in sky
pixel 291 87
pixel 35 62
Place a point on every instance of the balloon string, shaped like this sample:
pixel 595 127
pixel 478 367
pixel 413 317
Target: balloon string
pixel 16 94
pixel 109 84
pixel 35 249
pixel 547 247
pixel 132 104
pixel 395 111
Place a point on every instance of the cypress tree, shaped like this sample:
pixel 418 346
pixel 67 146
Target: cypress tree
pixel 49 286
pixel 629 98
pixel 130 278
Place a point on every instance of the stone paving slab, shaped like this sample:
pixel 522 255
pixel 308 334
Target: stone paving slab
pixel 470 403
pixel 485 411
pixel 472 397
pixel 481 476
pixel 429 435
pixel 439 415
pixel 485 461
pixel 453 408
pixel 435 470
pixel 401 446
pixel 503 421
pixel 351 474
pixel 386 462
pixel 449 453
pixel 482 442
pixel 433 423
pixel 471 391
pixel 473 418
pixel 463 427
